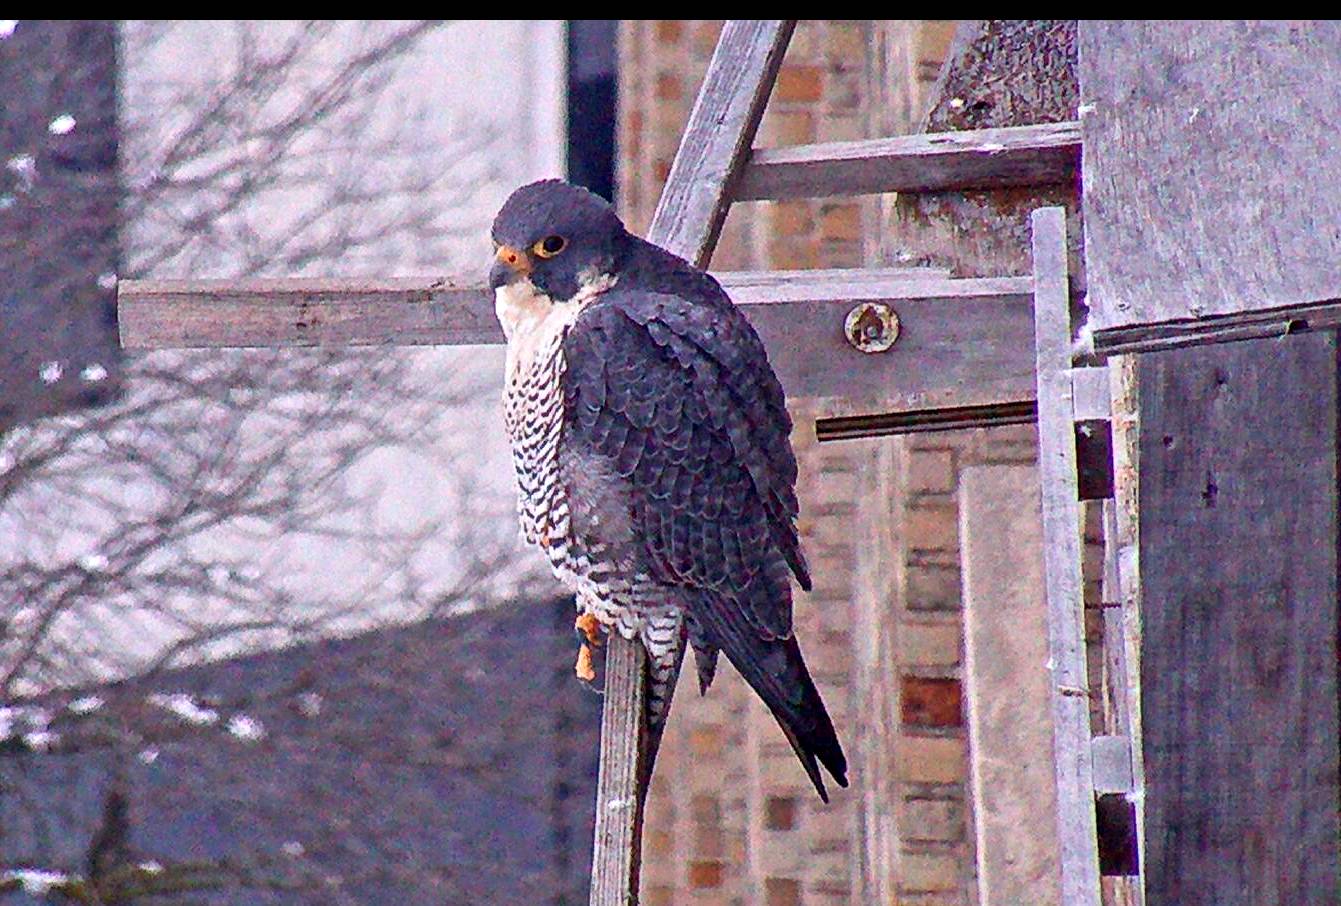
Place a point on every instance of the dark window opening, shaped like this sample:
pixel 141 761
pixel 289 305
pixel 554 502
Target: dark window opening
pixel 591 105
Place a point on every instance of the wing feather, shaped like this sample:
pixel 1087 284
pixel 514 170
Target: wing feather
pixel 678 396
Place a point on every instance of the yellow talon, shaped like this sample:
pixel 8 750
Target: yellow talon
pixel 590 627
pixel 585 671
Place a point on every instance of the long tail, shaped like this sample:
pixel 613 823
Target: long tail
pixel 775 670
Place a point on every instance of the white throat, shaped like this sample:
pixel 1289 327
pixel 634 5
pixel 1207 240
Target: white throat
pixel 531 319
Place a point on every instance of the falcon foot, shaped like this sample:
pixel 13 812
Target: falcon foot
pixel 590 627
pixel 584 669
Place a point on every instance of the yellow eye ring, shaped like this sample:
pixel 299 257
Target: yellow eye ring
pixel 550 246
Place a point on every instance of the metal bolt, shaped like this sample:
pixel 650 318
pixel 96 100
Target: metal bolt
pixel 871 327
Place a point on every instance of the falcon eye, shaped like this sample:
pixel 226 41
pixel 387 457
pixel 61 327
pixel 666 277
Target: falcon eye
pixel 550 246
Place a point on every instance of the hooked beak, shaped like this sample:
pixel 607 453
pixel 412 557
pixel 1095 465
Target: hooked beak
pixel 510 265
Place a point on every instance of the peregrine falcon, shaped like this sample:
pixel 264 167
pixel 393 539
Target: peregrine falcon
pixel 654 466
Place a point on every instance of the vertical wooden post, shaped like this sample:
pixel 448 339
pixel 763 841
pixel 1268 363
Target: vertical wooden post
pixel 688 219
pixel 1238 551
pixel 1061 562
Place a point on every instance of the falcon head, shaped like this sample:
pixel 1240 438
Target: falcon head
pixel 554 241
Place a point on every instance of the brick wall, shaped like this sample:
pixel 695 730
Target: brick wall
pixel 731 817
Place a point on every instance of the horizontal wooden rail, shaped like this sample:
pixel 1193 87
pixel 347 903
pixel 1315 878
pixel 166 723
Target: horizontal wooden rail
pixel 962 343
pixel 1045 154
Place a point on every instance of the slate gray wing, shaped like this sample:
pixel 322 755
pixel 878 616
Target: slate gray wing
pixel 680 398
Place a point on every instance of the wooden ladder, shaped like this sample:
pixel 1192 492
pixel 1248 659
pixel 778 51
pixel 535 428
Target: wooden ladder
pixel 995 382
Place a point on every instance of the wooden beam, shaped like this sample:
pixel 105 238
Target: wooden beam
pixel 687 221
pixel 617 851
pixel 1207 183
pixel 964 345
pixel 718 136
pixel 1062 564
pixel 1009 694
pixel 1238 559
pixel 1044 154
pixel 1229 328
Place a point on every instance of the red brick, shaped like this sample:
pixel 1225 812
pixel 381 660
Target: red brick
pixel 780 812
pixel 930 644
pixel 782 892
pixel 941 820
pixel 705 874
pixel 932 702
pixel 706 741
pixel 933 528
pixel 931 472
pixel 669 87
pixel 929 871
pixel 930 759
pixel 933 588
pixel 841 222
pixel 670 31
pixel 799 83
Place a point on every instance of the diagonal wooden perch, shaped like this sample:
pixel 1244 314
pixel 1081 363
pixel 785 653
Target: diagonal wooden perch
pixel 693 205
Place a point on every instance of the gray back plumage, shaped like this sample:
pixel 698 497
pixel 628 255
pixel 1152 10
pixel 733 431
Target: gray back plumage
pixel 678 394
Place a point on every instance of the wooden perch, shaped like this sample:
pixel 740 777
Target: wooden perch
pixel 688 219
pixel 617 853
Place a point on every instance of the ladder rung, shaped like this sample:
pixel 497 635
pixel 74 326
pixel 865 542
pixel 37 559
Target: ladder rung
pixel 1044 154
pixel 1111 757
pixel 1089 390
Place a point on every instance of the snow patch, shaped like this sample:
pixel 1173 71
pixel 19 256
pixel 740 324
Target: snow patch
pixel 50 372
pixel 248 729
pixel 86 705
pixel 7 27
pixel 35 881
pixel 184 706
pixel 93 373
pixel 61 125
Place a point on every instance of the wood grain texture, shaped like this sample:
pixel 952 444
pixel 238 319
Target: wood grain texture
pixel 998 73
pixel 718 137
pixel 1062 564
pixel 1238 553
pixel 963 342
pixel 618 846
pixel 1209 168
pixel 1043 154
pixel 687 221
pixel 1008 686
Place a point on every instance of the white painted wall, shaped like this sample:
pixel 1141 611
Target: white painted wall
pixel 467 78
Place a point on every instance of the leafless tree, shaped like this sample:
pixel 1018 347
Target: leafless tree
pixel 168 524
pixel 160 516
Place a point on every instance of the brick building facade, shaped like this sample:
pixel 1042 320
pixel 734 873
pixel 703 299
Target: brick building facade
pixel 731 819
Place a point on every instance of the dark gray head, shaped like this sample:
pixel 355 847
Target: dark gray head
pixel 559 235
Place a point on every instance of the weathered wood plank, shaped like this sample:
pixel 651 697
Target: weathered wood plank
pixel 1062 565
pixel 1229 328
pixel 1238 557
pixel 1008 687
pixel 1111 757
pixel 166 314
pixel 617 854
pixel 1206 169
pixel 963 343
pixel 1044 154
pixel 998 73
pixel 718 137
pixel 687 221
